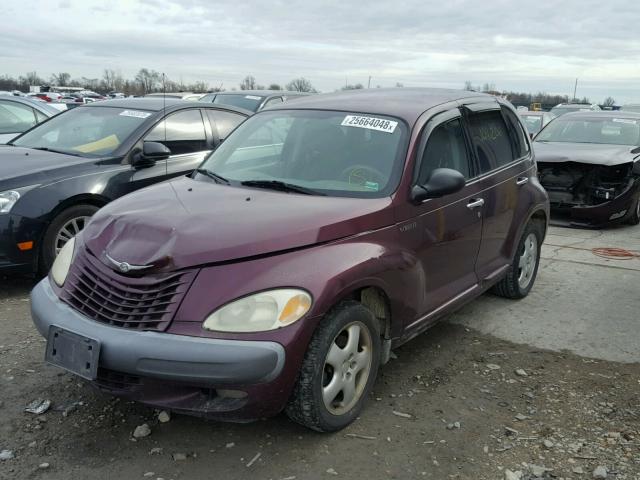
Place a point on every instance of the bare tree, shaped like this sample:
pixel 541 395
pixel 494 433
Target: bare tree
pixel 112 80
pixel 398 85
pixel 61 79
pixel 275 86
pixel 148 79
pixel 249 83
pixel 32 78
pixel 468 85
pixel 300 85
pixel 609 102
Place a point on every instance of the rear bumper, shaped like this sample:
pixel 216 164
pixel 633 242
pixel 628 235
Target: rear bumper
pixel 163 356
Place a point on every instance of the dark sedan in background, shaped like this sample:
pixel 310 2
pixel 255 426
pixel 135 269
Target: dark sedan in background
pixel 19 114
pixel 589 163
pixel 54 177
pixel 253 100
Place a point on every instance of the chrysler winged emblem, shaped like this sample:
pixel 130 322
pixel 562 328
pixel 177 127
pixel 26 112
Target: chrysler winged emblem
pixel 124 267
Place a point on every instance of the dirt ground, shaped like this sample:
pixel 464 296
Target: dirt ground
pixel 457 402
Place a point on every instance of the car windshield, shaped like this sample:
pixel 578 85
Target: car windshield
pixel 612 131
pixel 85 131
pixel 328 152
pixel 248 101
pixel 570 108
pixel 532 122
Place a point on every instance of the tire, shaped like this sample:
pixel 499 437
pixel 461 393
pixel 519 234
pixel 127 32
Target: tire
pixel 518 281
pixel 53 241
pixel 307 405
pixel 634 219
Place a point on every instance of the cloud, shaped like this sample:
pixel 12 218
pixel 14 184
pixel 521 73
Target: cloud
pixel 418 43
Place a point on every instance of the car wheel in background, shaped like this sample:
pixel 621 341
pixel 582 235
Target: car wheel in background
pixel 338 371
pixel 66 225
pixel 524 268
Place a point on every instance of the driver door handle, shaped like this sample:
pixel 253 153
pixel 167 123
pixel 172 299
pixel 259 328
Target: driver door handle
pixel 475 203
pixel 522 180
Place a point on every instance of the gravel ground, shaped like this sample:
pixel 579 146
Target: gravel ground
pixel 457 402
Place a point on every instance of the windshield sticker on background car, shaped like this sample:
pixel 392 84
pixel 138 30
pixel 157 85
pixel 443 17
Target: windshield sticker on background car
pixel 375 186
pixel 371 123
pixel 135 113
pixel 625 120
pixel 252 97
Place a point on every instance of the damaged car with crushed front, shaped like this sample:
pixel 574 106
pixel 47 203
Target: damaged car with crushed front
pixel 589 163
pixel 319 236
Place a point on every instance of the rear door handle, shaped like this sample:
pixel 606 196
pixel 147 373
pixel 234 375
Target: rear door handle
pixel 522 180
pixel 475 203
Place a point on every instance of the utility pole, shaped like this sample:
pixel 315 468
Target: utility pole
pixel 369 84
pixel 575 87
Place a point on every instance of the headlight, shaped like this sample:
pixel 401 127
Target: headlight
pixel 62 263
pixel 9 198
pixel 259 312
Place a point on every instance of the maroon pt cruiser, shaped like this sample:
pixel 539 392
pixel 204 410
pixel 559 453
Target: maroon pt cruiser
pixel 319 236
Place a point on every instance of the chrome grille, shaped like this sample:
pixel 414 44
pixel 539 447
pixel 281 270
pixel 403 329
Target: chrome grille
pixel 141 303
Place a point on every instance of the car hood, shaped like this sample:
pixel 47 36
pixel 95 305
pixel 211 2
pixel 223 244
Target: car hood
pixel 590 153
pixel 184 223
pixel 17 162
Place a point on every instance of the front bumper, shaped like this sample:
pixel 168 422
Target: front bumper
pixel 616 210
pixel 163 356
pixel 15 229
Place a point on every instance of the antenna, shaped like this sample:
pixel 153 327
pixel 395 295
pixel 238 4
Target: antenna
pixel 164 118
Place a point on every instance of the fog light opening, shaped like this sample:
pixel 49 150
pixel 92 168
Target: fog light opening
pixel 235 394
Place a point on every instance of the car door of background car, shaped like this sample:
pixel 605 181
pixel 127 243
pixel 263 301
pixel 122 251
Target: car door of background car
pixel 450 226
pixel 184 133
pixel 503 162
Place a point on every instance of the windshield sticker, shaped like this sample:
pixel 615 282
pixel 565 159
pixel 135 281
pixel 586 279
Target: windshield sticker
pixel 371 123
pixel 252 97
pixel 625 120
pixel 135 113
pixel 375 186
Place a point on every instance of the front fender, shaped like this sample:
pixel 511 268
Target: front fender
pixel 330 272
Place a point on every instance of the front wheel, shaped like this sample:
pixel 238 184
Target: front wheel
pixel 524 267
pixel 66 225
pixel 338 371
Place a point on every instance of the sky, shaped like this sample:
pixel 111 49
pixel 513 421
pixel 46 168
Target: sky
pixel 522 46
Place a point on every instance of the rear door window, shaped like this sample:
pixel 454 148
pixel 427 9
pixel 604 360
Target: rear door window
pixel 181 132
pixel 446 148
pixel 491 140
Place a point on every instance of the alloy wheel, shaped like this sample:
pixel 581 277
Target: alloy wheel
pixel 527 261
pixel 347 368
pixel 69 230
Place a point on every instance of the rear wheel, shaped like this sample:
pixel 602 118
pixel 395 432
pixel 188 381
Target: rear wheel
pixel 66 225
pixel 524 268
pixel 338 371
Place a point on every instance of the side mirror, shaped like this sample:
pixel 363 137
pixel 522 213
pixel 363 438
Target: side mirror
pixel 151 153
pixel 443 181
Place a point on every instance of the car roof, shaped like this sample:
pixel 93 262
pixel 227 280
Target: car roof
pixel 261 93
pixel 604 114
pixel 156 104
pixel 532 112
pixel 405 103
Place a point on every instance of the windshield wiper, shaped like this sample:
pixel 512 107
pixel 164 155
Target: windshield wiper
pixel 47 149
pixel 217 178
pixel 280 186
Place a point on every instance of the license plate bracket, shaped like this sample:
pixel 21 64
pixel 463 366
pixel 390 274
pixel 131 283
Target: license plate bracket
pixel 73 352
